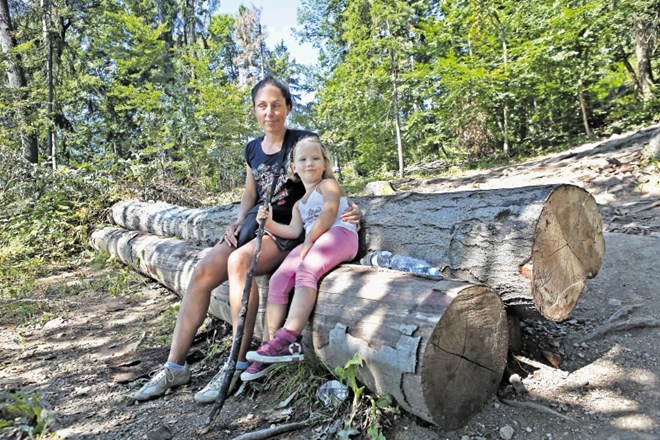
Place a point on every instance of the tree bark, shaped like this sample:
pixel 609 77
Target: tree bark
pixel 438 347
pixel 536 246
pixel 17 82
pixel 46 25
pixel 643 36
pixel 395 106
pixel 505 59
pixel 584 111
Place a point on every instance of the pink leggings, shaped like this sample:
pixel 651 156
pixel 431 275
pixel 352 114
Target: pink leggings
pixel 335 246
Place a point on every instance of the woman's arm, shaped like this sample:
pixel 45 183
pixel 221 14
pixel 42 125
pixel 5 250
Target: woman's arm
pixel 352 214
pixel 248 200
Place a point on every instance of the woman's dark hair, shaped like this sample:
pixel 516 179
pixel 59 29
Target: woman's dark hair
pixel 272 81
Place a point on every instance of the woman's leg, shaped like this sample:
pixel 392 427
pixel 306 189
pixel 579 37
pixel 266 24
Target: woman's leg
pixel 332 248
pixel 210 272
pixel 239 263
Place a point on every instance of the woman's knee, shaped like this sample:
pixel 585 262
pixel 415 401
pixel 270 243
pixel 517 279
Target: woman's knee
pixel 238 262
pixel 212 269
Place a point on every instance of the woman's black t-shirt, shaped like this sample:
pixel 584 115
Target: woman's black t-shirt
pixel 265 166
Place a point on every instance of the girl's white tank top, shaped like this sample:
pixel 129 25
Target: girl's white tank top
pixel 311 210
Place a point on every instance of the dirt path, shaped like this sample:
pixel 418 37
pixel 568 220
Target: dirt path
pixel 95 349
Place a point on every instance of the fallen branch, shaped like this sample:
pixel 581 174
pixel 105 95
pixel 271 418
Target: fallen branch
pixel 45 300
pixel 647 207
pixel 640 322
pixel 535 364
pixel 277 430
pixel 535 406
pixel 623 311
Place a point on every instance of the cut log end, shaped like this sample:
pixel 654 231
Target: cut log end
pixel 568 249
pixel 466 355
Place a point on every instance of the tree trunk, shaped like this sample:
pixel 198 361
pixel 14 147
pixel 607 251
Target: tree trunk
pixel 438 347
pixel 505 105
pixel 583 109
pixel 17 82
pixel 536 246
pixel 622 57
pixel 643 33
pixel 397 124
pixel 46 25
pixel 165 17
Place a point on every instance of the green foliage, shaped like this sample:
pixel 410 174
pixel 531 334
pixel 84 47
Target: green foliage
pixel 370 412
pixel 24 412
pixel 628 113
pixel 48 216
pixel 169 87
pixel 477 75
pixel 346 375
pixel 165 327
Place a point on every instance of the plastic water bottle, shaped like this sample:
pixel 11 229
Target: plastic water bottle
pixel 413 265
pixel 377 259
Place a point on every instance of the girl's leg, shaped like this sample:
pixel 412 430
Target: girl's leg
pixel 279 288
pixel 210 272
pixel 333 247
pixel 328 251
pixel 239 263
pixel 302 304
pixel 273 319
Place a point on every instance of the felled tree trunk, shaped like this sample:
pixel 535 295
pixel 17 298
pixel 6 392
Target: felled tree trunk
pixel 536 246
pixel 438 347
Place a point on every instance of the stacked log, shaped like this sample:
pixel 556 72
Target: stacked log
pixel 536 246
pixel 438 347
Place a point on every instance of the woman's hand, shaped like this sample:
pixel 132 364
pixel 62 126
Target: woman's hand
pixel 352 215
pixel 231 233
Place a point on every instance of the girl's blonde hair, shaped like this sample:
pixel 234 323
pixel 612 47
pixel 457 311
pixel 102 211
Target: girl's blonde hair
pixel 310 140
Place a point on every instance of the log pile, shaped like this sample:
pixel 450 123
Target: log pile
pixel 536 246
pixel 438 347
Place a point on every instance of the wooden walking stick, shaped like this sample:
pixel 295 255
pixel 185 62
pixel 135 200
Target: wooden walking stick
pixel 230 365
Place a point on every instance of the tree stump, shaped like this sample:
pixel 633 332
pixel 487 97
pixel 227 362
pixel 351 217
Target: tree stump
pixel 438 347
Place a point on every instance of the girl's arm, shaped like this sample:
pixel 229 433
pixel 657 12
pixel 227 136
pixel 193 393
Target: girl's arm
pixel 292 230
pixel 331 192
pixel 247 202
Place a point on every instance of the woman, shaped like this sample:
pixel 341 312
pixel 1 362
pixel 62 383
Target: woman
pixel 230 258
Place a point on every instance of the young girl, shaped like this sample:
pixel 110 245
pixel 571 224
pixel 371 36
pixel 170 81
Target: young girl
pixel 328 242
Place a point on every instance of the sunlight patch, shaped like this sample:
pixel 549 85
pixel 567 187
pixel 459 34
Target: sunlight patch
pixel 640 422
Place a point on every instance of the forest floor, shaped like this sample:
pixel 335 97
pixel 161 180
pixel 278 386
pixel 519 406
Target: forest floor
pixel 593 376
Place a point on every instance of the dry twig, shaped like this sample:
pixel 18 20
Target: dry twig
pixel 638 322
pixel 277 430
pixel 535 406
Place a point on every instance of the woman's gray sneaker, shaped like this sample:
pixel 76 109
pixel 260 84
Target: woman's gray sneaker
pixel 210 392
pixel 165 379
